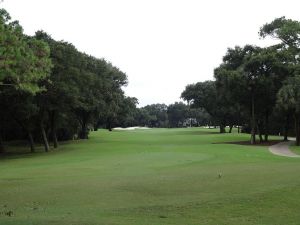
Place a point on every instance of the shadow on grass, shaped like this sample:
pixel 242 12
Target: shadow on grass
pixel 268 143
pixel 20 152
pixel 190 132
pixel 21 149
pixel 199 132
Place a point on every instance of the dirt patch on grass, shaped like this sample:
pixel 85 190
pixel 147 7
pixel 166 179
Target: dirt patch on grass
pixel 268 143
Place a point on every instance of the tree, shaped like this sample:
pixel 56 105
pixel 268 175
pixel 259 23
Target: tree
pixel 231 85
pixel 201 117
pixel 127 112
pixel 58 100
pixel 288 98
pixel 204 95
pixel 142 117
pixel 114 96
pixel 154 115
pixel 83 86
pixel 250 77
pixel 286 30
pixel 177 114
pixel 59 94
pixel 23 61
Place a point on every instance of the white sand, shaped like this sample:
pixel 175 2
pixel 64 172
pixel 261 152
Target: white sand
pixel 131 128
pixel 282 149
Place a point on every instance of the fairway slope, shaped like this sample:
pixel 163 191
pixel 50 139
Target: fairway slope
pixel 155 176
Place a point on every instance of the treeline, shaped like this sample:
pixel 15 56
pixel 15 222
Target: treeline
pixel 171 116
pixel 50 91
pixel 258 88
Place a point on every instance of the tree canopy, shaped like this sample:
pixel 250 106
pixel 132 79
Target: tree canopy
pixel 250 81
pixel 51 91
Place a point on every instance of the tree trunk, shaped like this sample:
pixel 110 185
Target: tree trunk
pixel 84 120
pixel 83 134
pixel 2 149
pixel 52 115
pixel 55 142
pixel 230 128
pixel 267 126
pixel 31 142
pixel 261 140
pixel 253 123
pixel 286 127
pixel 109 126
pixel 238 120
pixel 259 133
pixel 24 125
pixel 222 128
pixel 45 140
pixel 297 130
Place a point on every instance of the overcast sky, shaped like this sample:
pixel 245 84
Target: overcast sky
pixel 162 45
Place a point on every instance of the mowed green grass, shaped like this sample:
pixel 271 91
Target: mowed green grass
pixel 151 177
pixel 295 149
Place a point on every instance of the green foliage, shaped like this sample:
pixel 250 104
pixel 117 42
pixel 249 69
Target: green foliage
pixel 87 87
pixel 69 91
pixel 24 61
pixel 201 94
pixel 205 95
pixel 177 114
pixel 246 81
pixel 127 114
pixel 286 30
pixel 288 96
pixel 155 115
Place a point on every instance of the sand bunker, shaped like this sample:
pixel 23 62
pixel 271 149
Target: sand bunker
pixel 131 128
pixel 282 149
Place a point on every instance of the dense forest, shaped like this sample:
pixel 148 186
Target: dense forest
pixel 50 91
